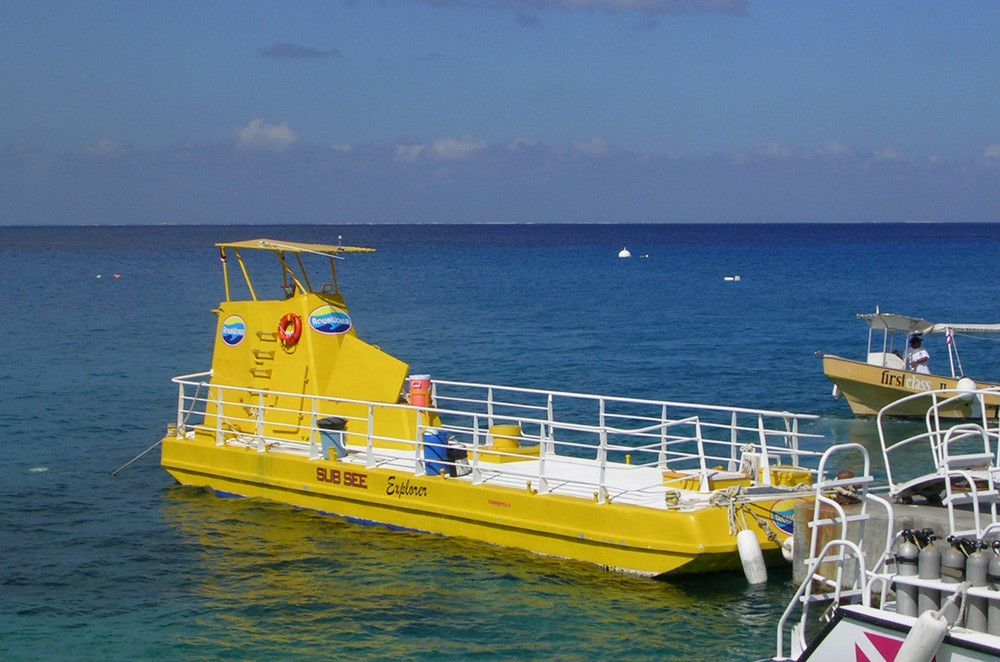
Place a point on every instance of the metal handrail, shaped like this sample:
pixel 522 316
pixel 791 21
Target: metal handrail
pixel 683 444
pixel 935 433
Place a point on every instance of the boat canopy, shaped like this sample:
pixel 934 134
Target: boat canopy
pixel 292 280
pixel 892 323
pixel 294 247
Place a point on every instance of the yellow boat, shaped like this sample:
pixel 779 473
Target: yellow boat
pixel 885 378
pixel 298 409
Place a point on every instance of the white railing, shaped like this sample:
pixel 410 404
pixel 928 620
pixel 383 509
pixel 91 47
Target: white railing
pixel 960 459
pixel 712 434
pixel 931 436
pixel 602 447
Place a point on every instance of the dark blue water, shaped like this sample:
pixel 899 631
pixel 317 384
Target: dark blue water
pixel 96 566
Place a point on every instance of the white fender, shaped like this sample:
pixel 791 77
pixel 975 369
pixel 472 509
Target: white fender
pixel 924 639
pixel 967 387
pixel 751 556
pixel 788 548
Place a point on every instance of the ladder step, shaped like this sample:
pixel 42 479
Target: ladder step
pixel 836 520
pixel 971 496
pixel 832 558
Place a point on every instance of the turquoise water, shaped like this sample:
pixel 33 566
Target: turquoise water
pixel 132 566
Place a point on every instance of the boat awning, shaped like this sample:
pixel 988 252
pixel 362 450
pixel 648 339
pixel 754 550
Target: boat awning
pixel 914 325
pixel 294 247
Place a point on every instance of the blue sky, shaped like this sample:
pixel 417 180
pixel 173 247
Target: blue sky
pixel 499 111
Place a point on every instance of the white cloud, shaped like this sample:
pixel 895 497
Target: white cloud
pixel 775 150
pixel 833 148
pixel 445 149
pixel 520 179
pixel 521 143
pixel 889 154
pixel 596 146
pixel 408 153
pixel 456 149
pixel 258 135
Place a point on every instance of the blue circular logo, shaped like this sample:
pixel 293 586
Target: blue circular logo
pixel 783 514
pixel 234 330
pixel 330 321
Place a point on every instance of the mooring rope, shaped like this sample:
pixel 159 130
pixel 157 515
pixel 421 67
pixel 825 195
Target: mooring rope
pixel 194 398
pixel 115 472
pixel 738 507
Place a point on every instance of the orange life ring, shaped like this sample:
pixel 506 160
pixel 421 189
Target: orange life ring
pixel 289 338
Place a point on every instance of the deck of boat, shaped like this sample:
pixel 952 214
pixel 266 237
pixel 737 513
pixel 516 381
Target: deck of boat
pixel 566 476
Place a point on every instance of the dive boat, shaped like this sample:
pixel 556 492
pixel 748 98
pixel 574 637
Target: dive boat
pixel 887 375
pixel 893 580
pixel 298 409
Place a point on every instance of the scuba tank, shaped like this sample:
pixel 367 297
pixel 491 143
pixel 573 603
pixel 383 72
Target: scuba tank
pixel 952 572
pixel 907 555
pixel 976 570
pixel 928 567
pixel 993 580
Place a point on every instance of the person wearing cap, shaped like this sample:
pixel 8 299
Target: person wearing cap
pixel 917 357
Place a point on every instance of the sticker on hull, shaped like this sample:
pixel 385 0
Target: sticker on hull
pixel 330 320
pixel 234 330
pixel 783 514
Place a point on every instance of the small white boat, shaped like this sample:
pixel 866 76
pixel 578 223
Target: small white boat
pixel 624 252
pixel 886 375
pixel 903 591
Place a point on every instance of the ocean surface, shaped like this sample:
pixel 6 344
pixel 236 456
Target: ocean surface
pixel 95 566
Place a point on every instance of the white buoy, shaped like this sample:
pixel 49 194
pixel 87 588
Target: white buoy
pixel 751 557
pixel 624 252
pixel 924 639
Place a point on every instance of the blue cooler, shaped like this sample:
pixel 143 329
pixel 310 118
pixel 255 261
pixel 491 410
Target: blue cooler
pixel 436 452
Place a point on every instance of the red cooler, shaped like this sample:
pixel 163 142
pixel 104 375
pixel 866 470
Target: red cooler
pixel 420 390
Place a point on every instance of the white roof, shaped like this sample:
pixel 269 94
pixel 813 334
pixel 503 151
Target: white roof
pixel 913 325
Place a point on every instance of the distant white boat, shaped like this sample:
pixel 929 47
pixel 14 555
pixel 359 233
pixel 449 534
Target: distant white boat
pixel 732 278
pixel 624 252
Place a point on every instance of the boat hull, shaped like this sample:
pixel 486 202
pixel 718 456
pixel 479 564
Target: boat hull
pixel 873 634
pixel 868 388
pixel 629 538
